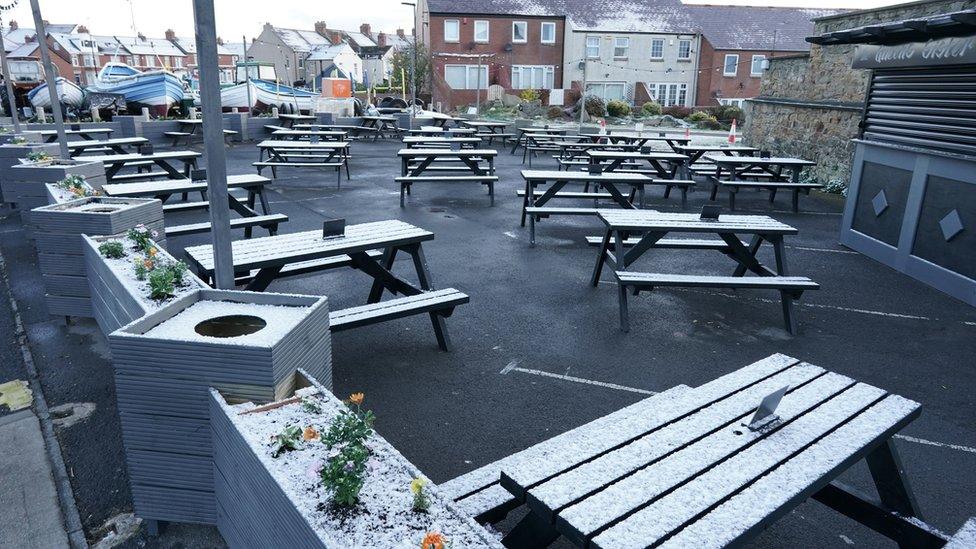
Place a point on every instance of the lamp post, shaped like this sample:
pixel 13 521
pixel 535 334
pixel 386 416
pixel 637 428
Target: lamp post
pixel 50 78
pixel 413 64
pixel 582 65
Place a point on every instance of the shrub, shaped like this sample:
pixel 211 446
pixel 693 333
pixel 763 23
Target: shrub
pixel 595 106
pixel 343 473
pixel 554 113
pixel 161 284
pixel 676 111
pixel 618 108
pixel 112 249
pixel 726 113
pixel 708 122
pixel 651 108
pixel 529 95
pixel 699 116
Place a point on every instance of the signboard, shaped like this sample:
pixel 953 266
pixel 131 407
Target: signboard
pixel 960 50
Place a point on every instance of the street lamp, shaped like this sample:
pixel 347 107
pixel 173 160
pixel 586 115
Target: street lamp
pixel 413 64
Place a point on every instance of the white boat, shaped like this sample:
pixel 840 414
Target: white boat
pixel 69 94
pixel 235 98
pixel 159 90
pixel 271 94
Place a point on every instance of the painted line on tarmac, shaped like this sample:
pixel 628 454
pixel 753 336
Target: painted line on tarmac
pixel 937 444
pixel 513 367
pixel 826 250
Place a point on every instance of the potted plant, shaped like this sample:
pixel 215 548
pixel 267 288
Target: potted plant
pixel 26 184
pixel 310 471
pixel 248 345
pixel 10 154
pixel 60 247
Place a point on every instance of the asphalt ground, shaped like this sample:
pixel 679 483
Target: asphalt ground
pixel 538 351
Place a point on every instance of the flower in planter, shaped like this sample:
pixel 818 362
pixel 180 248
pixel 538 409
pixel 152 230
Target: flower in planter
pixel 357 398
pixel 434 540
pixel 143 267
pixel 112 249
pixel 38 156
pixel 285 441
pixel 310 434
pixel 311 405
pixel 161 284
pixel 421 502
pixel 141 237
pixel 77 185
pixel 19 140
pixel 343 472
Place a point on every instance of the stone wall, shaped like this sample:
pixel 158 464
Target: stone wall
pixel 810 105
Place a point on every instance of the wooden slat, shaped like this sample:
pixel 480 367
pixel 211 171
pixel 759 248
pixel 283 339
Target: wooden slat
pixel 671 506
pixel 584 177
pixel 176 186
pixel 236 223
pixel 392 309
pixel 631 278
pixel 491 499
pixel 685 222
pixel 676 243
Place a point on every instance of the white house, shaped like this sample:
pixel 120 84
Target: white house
pixel 341 55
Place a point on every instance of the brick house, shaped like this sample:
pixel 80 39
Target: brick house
pixel 737 43
pixel 517 50
pixel 226 58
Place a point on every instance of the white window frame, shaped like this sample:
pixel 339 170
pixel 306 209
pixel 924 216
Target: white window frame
pixel 542 32
pixel 74 60
pixel 687 56
pixel 487 31
pixel 525 32
pixel 657 41
pixel 150 60
pixel 754 66
pixel 546 73
pixel 626 47
pixel 668 94
pixel 178 62
pixel 735 102
pixel 586 50
pixel 457 33
pixel 469 82
pixel 735 64
pixel 591 86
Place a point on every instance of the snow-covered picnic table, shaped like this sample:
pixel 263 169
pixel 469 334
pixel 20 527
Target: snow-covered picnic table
pixel 688 468
pixel 106 146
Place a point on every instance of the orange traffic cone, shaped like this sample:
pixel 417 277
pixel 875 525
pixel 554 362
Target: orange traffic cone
pixel 732 132
pixel 687 132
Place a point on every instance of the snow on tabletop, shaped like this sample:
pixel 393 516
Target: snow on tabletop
pixel 965 538
pixel 383 515
pixel 124 270
pixel 280 320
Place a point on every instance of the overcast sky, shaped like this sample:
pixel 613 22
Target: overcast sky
pixel 246 17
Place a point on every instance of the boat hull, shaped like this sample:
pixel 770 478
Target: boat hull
pixel 70 95
pixel 235 98
pixel 158 90
pixel 271 95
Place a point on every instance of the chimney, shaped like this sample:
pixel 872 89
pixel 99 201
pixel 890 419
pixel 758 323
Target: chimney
pixel 13 25
pixel 170 35
pixel 364 29
pixel 335 37
pixel 401 35
pixel 321 28
pixel 141 37
pixel 220 41
pixel 81 29
pixel 381 39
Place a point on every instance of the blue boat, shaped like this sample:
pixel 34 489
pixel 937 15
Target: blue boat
pixel 159 90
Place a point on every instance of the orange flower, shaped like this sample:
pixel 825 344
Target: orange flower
pixel 148 264
pixel 310 433
pixel 357 398
pixel 433 540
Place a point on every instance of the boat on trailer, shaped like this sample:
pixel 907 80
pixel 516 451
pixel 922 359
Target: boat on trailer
pixel 159 89
pixel 68 93
pixel 265 91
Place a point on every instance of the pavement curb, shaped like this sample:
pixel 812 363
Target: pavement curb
pixel 69 511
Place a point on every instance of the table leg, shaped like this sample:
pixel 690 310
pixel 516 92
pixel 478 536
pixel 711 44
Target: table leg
pixel 746 256
pixel 531 532
pixel 889 478
pixel 437 321
pixel 618 242
pixel 376 292
pixel 787 298
pixel 601 258
pixel 263 279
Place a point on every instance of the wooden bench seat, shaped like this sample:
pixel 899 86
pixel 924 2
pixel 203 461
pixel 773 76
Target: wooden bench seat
pixel 406 181
pixel 440 302
pixel 568 194
pixel 274 127
pixel 185 206
pixel 177 134
pixel 302 268
pixel 546 211
pixel 733 186
pixel 269 222
pixel 673 243
pixel 260 165
pixel 139 176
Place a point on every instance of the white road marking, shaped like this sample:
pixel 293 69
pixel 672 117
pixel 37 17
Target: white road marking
pixel 510 234
pixel 937 444
pixel 513 367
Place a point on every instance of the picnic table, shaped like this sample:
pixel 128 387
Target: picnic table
pixel 114 163
pixel 695 152
pixel 50 136
pixel 162 190
pixel 487 129
pixel 755 172
pixel 688 468
pixel 667 165
pixel 289 120
pixel 520 140
pixel 108 146
pixel 309 135
pixel 303 154
pixel 641 139
pixel 412 141
pixel 381 123
pixel 435 132
pixel 619 251
pixel 263 260
pixel 349 128
pixel 478 165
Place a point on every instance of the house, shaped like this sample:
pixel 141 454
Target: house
pixel 287 50
pixel 226 58
pixel 340 55
pixel 739 41
pixel 148 54
pixel 474 44
pixel 375 52
pixel 79 50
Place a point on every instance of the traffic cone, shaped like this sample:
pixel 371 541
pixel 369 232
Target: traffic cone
pixel 687 132
pixel 732 132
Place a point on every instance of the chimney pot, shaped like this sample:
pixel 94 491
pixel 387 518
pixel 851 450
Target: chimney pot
pixel 13 25
pixel 381 39
pixel 141 36
pixel 170 35
pixel 400 34
pixel 321 28
pixel 82 29
pixel 364 29
pixel 335 37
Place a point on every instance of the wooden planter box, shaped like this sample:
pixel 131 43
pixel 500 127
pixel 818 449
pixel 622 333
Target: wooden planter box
pixel 164 370
pixel 26 183
pixel 10 156
pixel 117 298
pixel 58 231
pixel 6 138
pixel 276 502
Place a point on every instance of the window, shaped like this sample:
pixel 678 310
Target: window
pixel 532 76
pixel 548 33
pixel 465 77
pixel 301 62
pixel 607 90
pixel 757 65
pixel 684 49
pixel 657 48
pixel 592 47
pixel 150 61
pixel 668 94
pixel 88 60
pixel 520 32
pixel 178 62
pixel 74 60
pixel 481 31
pixel 452 30
pixel 77 78
pixel 734 102
pixel 621 45
pixel 731 65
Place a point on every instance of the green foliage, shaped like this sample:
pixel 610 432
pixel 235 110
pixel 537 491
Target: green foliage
pixel 651 108
pixel 728 113
pixel 529 95
pixel 401 61
pixel 554 113
pixel 618 108
pixel 177 271
pixel 38 156
pixel 112 249
pixel 421 501
pixel 142 237
pixel 19 140
pixel 346 439
pixel 595 106
pixel 161 284
pixel 76 185
pixel 143 267
pixel 286 441
pixel 698 116
pixel 676 111
pixel 311 405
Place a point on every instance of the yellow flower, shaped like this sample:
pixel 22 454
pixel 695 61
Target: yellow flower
pixel 357 398
pixel 153 252
pixel 433 540
pixel 310 433
pixel 417 485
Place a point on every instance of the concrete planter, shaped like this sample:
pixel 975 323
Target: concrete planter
pixel 265 501
pixel 26 182
pixel 10 156
pixel 153 130
pixel 117 297
pixel 165 367
pixel 8 137
pixel 60 248
pixel 238 122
